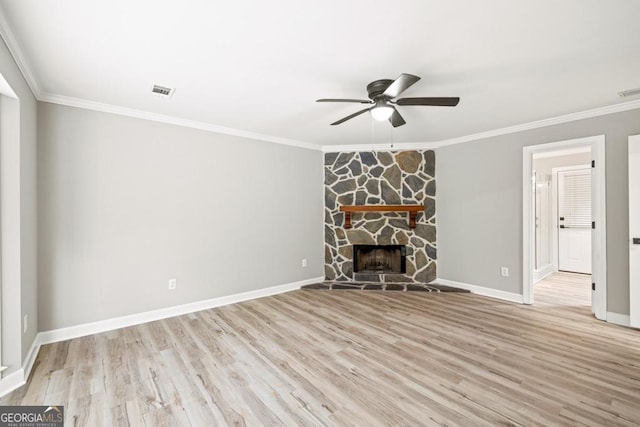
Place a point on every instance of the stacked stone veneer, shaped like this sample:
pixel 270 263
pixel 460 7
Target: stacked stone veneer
pixel 375 178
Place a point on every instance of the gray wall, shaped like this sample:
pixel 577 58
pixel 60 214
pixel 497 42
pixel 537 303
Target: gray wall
pixel 480 204
pixel 18 201
pixel 126 204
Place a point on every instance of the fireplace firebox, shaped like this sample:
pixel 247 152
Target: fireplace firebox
pixel 379 259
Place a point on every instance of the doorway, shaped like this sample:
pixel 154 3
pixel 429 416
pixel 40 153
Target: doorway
pixel 541 219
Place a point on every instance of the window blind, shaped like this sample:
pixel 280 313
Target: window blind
pixel 577 201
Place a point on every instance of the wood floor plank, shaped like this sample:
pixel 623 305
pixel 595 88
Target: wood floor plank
pixel 345 358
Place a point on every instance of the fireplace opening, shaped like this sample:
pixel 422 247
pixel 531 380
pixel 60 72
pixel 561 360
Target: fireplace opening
pixel 379 259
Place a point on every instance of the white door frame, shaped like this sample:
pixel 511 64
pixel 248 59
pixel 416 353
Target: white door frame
pixel 599 245
pixel 634 287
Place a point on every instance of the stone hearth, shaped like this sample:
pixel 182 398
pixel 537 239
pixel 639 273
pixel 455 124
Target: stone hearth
pixel 363 286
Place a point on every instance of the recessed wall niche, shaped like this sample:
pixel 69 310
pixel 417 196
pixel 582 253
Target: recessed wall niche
pixel 375 178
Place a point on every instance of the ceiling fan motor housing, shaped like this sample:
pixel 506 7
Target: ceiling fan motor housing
pixel 377 88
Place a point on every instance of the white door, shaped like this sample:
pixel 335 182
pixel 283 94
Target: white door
pixel 634 230
pixel 574 220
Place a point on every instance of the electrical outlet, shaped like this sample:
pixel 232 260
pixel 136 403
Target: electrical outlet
pixel 172 284
pixel 504 271
pixel 25 323
pixel 304 262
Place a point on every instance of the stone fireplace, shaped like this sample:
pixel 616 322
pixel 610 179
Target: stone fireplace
pixel 380 178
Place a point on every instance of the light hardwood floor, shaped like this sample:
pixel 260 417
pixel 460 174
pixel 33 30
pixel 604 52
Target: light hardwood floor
pixel 342 358
pixel 564 289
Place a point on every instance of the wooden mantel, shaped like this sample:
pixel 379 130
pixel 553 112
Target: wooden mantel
pixel 412 209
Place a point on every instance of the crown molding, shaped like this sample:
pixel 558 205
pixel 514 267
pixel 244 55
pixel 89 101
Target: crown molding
pixel 566 118
pixel 396 146
pixel 163 118
pixel 114 109
pixel 18 56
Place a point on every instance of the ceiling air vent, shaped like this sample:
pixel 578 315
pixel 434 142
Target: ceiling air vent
pixel 163 91
pixel 630 92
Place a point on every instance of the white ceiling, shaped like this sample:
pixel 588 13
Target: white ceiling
pixel 258 67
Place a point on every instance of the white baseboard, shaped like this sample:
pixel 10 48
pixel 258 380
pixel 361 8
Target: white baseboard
pixel 63 334
pixel 27 365
pixel 615 318
pixel 12 381
pixel 481 290
pixel 19 377
pixel 545 271
pixel 618 319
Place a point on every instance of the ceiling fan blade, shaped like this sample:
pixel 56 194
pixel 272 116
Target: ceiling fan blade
pixel 439 102
pixel 396 119
pixel 400 84
pixel 361 101
pixel 351 116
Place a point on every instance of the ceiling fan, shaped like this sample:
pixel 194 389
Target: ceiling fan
pixel 382 94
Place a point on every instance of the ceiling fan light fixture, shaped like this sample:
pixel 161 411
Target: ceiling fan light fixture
pixel 381 112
